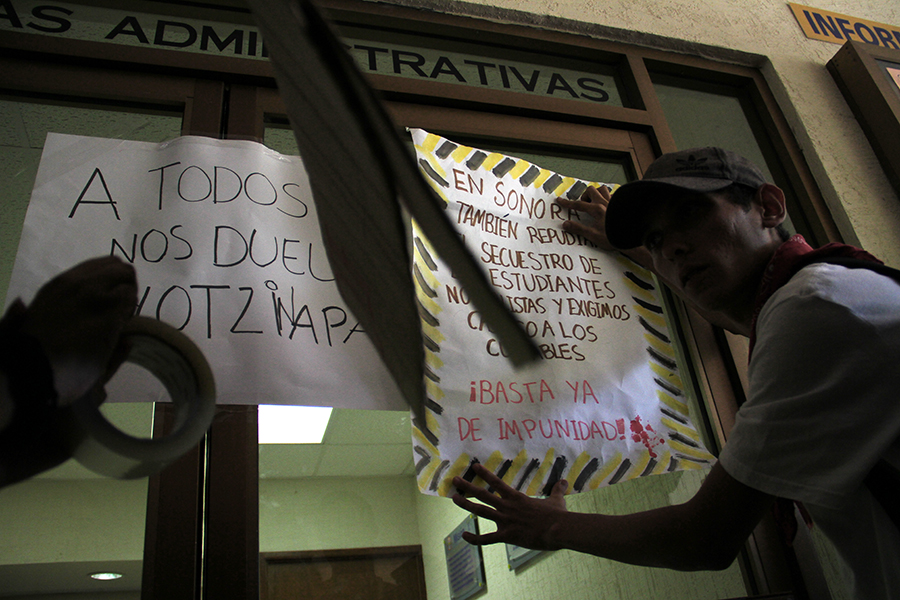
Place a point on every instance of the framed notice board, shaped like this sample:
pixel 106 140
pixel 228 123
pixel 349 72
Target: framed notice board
pixel 869 78
pixel 465 565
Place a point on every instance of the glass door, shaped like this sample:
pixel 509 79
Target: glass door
pixel 355 492
pixel 68 530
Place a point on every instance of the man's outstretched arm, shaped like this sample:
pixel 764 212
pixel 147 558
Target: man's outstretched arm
pixel 704 533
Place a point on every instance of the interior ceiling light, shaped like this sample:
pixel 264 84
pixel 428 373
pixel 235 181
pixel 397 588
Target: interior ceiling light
pixel 107 576
pixel 292 424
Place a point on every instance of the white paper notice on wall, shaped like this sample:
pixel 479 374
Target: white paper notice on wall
pixel 227 247
pixel 605 405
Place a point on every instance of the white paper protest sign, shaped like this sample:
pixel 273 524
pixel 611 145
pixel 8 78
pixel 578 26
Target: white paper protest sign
pixel 226 244
pixel 605 405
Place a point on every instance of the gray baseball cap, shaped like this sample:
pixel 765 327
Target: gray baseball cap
pixel 700 170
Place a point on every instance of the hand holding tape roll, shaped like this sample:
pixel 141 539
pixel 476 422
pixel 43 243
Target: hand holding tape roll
pixel 178 364
pixel 58 353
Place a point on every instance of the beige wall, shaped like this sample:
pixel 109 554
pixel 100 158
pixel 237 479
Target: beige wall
pixel 862 201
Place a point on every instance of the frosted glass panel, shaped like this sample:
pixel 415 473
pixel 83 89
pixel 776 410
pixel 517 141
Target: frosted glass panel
pixel 714 118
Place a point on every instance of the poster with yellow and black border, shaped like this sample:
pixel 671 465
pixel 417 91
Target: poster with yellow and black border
pixel 606 403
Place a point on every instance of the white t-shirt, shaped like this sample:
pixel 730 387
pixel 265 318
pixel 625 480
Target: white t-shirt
pixel 823 408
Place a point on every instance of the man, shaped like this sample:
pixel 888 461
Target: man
pixel 822 407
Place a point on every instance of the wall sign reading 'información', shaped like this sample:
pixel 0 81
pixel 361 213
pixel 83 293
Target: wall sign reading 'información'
pixel 605 405
pixel 836 28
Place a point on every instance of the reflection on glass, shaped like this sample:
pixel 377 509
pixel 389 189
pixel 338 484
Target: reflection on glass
pixel 292 424
pixel 68 523
pixel 711 117
pixel 891 70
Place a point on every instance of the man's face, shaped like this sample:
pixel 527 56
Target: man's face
pixel 710 249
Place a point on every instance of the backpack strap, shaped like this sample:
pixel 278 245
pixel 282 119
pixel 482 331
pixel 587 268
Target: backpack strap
pixel 858 263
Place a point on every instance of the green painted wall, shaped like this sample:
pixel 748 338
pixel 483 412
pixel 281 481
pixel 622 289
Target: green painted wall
pixel 336 512
pixel 566 574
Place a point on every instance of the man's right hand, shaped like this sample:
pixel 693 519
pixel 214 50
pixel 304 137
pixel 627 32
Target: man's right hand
pixel 592 205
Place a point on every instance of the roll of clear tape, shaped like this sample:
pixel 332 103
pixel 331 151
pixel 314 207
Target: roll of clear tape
pixel 178 364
